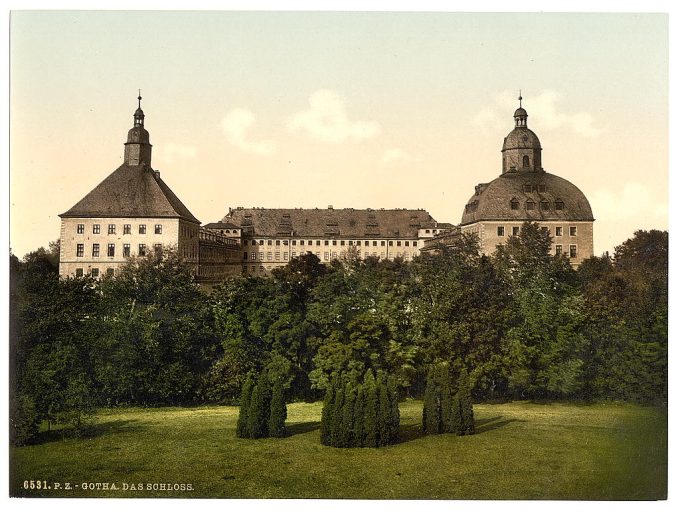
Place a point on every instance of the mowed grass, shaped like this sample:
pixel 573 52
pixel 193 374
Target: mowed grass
pixel 521 450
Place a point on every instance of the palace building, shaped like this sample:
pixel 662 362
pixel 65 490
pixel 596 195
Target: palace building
pixel 133 213
pixel 524 191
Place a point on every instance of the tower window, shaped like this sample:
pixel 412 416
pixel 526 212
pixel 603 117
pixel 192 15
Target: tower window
pixel 514 204
pixel 531 205
pixel 545 205
pixel 525 161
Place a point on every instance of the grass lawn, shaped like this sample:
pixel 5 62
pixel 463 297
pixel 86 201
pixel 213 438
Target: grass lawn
pixel 521 451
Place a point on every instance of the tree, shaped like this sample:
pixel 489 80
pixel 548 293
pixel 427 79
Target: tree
pixel 242 425
pixel 371 412
pixel 259 409
pixel 278 412
pixel 464 399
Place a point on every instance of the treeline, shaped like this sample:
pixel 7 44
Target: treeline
pixel 522 323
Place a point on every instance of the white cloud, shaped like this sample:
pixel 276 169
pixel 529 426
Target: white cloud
pixel 544 109
pixel 171 152
pixel 633 202
pixel 326 120
pixel 236 125
pixel 397 157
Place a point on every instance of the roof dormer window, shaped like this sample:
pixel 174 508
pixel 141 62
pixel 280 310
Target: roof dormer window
pixel 514 204
pixel 528 187
pixel 531 205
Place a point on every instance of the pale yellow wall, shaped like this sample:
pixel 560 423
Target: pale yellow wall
pixel 262 259
pixel 70 238
pixel 487 232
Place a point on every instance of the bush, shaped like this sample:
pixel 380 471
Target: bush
pixel 23 421
pixel 263 409
pixel 277 412
pixel 447 409
pixel 360 414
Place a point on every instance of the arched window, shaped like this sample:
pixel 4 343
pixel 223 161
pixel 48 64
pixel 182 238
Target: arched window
pixel 525 161
pixel 514 204
pixel 531 205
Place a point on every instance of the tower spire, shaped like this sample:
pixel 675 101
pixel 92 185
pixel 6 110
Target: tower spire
pixel 139 99
pixel 520 98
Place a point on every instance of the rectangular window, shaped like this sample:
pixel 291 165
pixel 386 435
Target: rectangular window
pixel 325 255
pixel 342 242
pixel 253 255
pixel 111 250
pixel 158 250
pixel 366 243
pixel 277 255
pixel 112 229
pixel 79 272
pixel 318 243
pixel 245 255
pixel 398 243
pixel 127 229
pixel 94 272
pixel 278 242
pixel 293 254
pixel 389 243
pixel 80 229
pixel 109 272
pixel 558 231
pixel 325 243
pixel 269 243
pixel 405 244
pixel 158 229
pixel 558 249
pixel 142 250
pixel 501 231
pixel 572 231
pixel 261 255
pixel 527 187
pixel 293 242
pixel 95 250
pixel 126 250
pixel 261 243
pixel 318 255
pixel 80 250
pixel 334 255
pixel 572 251
pixel 285 255
pixel 269 255
pixel 142 229
pixel 415 243
pixel 515 230
pixel 366 254
pixel 95 229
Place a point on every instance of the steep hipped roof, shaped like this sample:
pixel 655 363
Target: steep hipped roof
pixel 347 223
pixel 131 191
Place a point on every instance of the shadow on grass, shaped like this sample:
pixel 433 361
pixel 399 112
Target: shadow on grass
pixel 301 428
pixel 410 432
pixel 94 431
pixel 484 425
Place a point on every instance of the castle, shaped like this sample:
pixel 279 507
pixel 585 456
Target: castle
pixel 133 212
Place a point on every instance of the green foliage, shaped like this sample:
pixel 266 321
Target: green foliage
pixel 447 407
pixel 244 409
pixel 23 420
pixel 360 414
pixel 278 412
pixel 259 410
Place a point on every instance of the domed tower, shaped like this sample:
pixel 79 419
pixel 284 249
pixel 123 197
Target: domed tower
pixel 521 148
pixel 526 192
pixel 137 147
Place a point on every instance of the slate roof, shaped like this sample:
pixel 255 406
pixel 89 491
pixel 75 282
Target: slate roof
pixel 493 200
pixel 348 223
pixel 131 191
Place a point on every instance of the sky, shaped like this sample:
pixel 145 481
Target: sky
pixel 310 109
